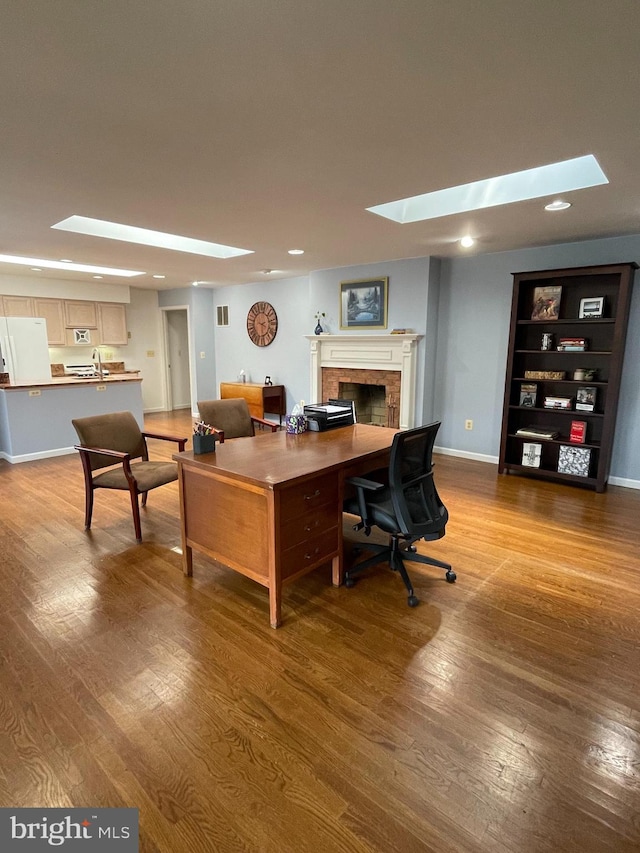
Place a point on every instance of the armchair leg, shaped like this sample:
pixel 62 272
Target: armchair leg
pixel 136 514
pixel 144 498
pixel 88 506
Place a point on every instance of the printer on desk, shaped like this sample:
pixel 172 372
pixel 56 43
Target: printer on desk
pixel 335 413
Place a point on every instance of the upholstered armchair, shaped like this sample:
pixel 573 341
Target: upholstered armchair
pixel 231 418
pixel 111 442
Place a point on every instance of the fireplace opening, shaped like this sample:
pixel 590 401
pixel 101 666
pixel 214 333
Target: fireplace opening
pixel 370 400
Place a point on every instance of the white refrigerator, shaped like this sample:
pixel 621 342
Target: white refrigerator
pixel 25 350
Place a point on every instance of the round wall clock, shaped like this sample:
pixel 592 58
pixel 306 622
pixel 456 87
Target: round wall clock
pixel 262 323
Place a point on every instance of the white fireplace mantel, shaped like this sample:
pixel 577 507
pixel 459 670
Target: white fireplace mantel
pixel 368 352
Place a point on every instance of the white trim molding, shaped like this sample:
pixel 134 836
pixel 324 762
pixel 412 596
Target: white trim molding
pixel 368 352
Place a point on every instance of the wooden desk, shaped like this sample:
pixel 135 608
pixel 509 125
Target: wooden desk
pixel 260 398
pixel 270 507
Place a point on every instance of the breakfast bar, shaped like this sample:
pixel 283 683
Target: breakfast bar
pixel 35 418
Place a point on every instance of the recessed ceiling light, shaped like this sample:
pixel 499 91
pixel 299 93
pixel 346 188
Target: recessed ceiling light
pixel 576 174
pixel 195 283
pixel 67 265
pixel 557 205
pixel 159 276
pixel 66 261
pixel 296 251
pixel 97 276
pixel 467 242
pixel 36 269
pixel 146 237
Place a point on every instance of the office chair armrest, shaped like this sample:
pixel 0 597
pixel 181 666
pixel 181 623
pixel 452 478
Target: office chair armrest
pixel 265 423
pixel 362 483
pixel 180 441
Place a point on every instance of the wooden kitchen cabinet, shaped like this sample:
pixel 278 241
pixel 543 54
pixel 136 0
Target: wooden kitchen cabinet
pixel 112 324
pixel 17 306
pixel 80 314
pixel 53 312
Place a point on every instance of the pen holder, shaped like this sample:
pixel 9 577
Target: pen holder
pixel 204 443
pixel 296 424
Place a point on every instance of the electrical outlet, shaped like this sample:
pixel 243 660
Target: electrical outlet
pixel 468 424
pixel 202 355
pixel 101 387
pixel 108 356
pixel 151 353
pixel 34 392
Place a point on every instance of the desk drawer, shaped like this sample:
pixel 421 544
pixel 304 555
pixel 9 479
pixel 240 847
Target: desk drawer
pixel 305 527
pixel 309 553
pixel 305 497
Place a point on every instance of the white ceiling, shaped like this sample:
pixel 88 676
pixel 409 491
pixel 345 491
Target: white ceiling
pixel 273 124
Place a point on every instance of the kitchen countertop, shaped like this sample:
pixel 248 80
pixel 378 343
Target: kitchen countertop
pixel 72 380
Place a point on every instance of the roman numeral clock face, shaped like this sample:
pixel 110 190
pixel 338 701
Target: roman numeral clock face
pixel 262 324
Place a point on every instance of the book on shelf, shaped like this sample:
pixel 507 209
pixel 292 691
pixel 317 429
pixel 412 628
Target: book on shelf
pixel 528 394
pixel 574 460
pixel 578 432
pixel 531 454
pixel 546 303
pixel 586 398
pixel 558 402
pixel 537 432
pixel 572 345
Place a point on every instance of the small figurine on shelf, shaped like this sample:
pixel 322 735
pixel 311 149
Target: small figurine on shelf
pixel 267 380
pixel 318 329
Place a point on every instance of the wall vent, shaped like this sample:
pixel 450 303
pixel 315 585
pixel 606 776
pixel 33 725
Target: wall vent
pixel 222 313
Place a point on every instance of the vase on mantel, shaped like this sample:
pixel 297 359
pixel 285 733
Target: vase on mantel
pixel 317 330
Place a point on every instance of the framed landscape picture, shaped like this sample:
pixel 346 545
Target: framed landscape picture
pixel 363 304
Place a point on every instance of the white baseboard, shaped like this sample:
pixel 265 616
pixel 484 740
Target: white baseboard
pixel 465 454
pixel 623 481
pixel 42 454
pixel 154 409
pixel 482 457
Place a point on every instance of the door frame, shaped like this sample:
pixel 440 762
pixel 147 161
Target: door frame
pixel 168 395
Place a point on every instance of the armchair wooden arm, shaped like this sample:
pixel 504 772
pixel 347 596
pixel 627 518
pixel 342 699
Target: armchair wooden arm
pixel 265 423
pixel 180 441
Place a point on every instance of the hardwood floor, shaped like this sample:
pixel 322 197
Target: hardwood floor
pixel 500 715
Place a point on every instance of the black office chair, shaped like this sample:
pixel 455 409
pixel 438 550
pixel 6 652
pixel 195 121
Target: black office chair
pixel 408 507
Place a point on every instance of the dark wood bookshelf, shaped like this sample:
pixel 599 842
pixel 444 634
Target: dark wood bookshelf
pixel 604 353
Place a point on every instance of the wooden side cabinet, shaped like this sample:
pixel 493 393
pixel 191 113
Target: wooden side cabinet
pixel 566 348
pixel 260 398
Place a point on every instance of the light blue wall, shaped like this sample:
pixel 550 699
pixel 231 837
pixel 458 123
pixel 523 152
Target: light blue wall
pixel 473 337
pixel 286 360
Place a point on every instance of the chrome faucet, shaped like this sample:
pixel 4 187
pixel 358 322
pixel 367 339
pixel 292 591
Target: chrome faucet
pixel 96 355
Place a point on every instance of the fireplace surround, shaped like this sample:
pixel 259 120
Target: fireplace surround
pixel 388 360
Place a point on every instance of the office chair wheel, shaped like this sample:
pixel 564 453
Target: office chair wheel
pixel 412 548
pixel 413 601
pixel 451 576
pixel 349 582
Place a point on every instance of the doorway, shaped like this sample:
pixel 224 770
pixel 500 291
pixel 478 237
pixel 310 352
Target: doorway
pixel 178 361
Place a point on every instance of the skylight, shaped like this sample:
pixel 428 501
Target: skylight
pixel 131 234
pixel 555 178
pixel 67 265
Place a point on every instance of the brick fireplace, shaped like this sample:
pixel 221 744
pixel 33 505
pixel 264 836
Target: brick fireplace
pixel 341 365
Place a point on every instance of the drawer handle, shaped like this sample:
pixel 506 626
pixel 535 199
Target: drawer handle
pixel 309 527
pixel 311 497
pixel 311 556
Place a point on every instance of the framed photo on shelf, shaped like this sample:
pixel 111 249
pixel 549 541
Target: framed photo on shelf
pixel 546 302
pixel 592 307
pixel 363 304
pixel 574 460
pixel 531 454
pixel 528 394
pixel 586 398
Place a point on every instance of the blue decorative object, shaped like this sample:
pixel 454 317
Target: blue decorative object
pixel 296 424
pixel 317 330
